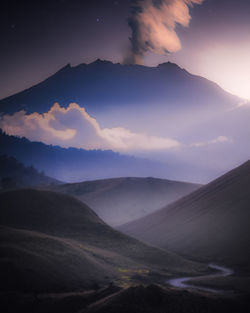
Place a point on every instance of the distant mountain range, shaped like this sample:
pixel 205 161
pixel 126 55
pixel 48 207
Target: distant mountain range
pixel 211 224
pixel 71 165
pixel 120 200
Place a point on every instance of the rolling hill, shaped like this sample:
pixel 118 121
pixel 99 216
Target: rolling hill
pixel 51 242
pixel 121 200
pixel 210 224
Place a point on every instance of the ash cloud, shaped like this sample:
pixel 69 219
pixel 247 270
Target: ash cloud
pixel 153 24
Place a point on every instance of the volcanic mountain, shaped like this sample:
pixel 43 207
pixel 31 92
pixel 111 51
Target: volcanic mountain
pixel 144 100
pixel 210 224
pixel 121 200
pixel 53 242
pixel 102 85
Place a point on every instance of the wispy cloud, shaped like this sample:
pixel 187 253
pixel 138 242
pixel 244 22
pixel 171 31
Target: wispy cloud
pixel 244 103
pixel 219 139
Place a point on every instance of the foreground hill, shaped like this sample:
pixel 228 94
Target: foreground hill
pixel 14 174
pixel 210 224
pixel 53 242
pixel 121 200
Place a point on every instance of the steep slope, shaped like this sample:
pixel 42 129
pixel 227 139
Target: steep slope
pixel 53 242
pixel 71 165
pixel 15 174
pixel 103 85
pixel 211 224
pixel 121 200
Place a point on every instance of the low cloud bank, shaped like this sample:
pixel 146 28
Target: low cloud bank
pixel 73 126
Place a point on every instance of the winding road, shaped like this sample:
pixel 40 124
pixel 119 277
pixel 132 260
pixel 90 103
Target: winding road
pixel 184 282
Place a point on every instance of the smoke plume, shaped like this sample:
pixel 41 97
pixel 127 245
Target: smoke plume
pixel 153 24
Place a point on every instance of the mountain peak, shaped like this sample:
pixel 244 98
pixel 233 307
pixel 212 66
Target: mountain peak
pixel 65 68
pixel 169 65
pixel 99 62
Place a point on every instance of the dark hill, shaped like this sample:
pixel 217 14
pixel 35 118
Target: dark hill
pixel 14 174
pixel 53 242
pixel 212 223
pixel 121 200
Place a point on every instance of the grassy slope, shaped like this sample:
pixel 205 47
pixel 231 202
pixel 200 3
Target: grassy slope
pixel 211 224
pixel 121 200
pixel 51 241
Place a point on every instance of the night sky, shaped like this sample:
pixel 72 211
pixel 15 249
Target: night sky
pixel 40 37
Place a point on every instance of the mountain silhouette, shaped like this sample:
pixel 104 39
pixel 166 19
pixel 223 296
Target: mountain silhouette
pixel 72 164
pixel 102 85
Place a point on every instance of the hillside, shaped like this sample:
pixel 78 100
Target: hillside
pixel 14 174
pixel 121 200
pixel 53 242
pixel 211 224
pixel 71 164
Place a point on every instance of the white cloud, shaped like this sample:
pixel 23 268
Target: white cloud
pixel 73 126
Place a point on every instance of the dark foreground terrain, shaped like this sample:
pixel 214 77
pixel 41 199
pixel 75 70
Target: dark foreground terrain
pixel 113 299
pixel 57 255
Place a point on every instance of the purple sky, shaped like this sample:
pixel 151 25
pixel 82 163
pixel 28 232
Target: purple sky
pixel 38 38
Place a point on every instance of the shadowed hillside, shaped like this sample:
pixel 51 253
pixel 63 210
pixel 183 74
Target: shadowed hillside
pixel 14 174
pixel 71 165
pixel 120 200
pixel 53 242
pixel 211 224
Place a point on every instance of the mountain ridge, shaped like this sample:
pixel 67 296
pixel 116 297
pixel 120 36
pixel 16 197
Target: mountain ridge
pixel 73 164
pixel 79 82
